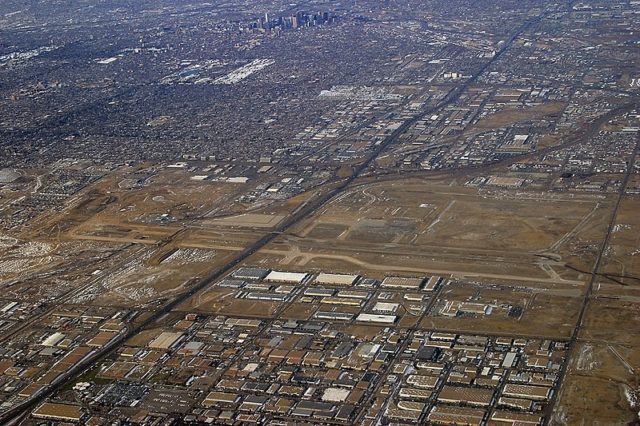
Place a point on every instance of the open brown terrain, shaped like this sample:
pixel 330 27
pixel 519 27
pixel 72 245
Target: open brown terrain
pixel 622 261
pixel 607 360
pixel 511 116
pixel 421 226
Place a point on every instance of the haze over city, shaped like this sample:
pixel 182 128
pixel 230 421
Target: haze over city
pixel 349 212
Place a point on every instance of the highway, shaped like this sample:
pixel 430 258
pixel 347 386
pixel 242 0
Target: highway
pixel 301 214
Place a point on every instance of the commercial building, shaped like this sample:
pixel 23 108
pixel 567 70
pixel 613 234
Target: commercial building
pixel 286 277
pixel 466 395
pixel 336 279
pixel 254 274
pixel 536 393
pixel 403 282
pixel 165 340
pixel 59 412
pixel 382 319
pixel 448 415
pixel 53 340
pixel 338 316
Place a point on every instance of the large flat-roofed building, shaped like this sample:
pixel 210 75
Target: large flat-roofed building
pixel 510 359
pixel 254 274
pixel 319 291
pixel 286 277
pixel 433 283
pixel 59 412
pixel 385 308
pixel 455 308
pixel 505 181
pixel 520 419
pixel 216 398
pixel 411 406
pixel 331 300
pixel 517 403
pixel 449 337
pixel 53 340
pixel 258 286
pixel 243 322
pixel 354 294
pixel 462 394
pixel 402 282
pixel 406 410
pixel 270 297
pixel 339 316
pixel 284 289
pixel 422 381
pixel 448 415
pixel 474 308
pixel 30 390
pixel 382 319
pixel 165 340
pixel 8 307
pixel 102 338
pixel 536 393
pixel 413 393
pixel 231 283
pixel 518 145
pixel 335 394
pixel 336 279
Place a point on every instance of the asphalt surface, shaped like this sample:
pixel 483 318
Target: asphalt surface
pixel 301 214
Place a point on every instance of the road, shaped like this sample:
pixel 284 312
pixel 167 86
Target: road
pixel 595 273
pixel 69 295
pixel 577 137
pixel 405 343
pixel 304 212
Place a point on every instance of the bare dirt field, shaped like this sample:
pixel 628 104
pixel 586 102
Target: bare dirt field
pixel 511 116
pixel 607 359
pixel 622 260
pixel 414 226
pixel 597 387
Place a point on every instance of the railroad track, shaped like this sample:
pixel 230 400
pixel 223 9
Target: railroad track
pixel 301 214
pixel 595 273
